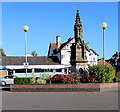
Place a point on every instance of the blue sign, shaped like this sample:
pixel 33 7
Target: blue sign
pixel 3 67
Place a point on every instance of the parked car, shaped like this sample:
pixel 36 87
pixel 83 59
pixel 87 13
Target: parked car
pixel 8 79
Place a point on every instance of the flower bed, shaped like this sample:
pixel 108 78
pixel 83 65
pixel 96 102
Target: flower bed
pixel 94 87
pixel 69 79
pixel 97 78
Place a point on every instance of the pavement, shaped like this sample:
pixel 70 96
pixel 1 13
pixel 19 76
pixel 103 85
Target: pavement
pixel 59 100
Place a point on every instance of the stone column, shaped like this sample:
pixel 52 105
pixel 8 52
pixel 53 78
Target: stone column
pixel 54 72
pixel 63 71
pixel 13 72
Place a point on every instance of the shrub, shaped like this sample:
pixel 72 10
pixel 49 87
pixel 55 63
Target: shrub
pixel 45 76
pixel 73 78
pixel 76 77
pixel 102 74
pixel 55 79
pixel 33 80
pixel 22 80
pixel 88 79
pixel 117 79
pixel 42 79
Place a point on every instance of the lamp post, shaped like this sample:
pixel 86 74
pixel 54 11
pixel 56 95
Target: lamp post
pixel 25 28
pixel 104 25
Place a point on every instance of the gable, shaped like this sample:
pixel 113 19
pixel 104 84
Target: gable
pixel 64 45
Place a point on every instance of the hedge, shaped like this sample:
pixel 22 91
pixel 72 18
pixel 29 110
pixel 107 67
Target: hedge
pixel 22 80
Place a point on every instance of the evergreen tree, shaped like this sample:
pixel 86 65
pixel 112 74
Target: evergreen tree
pixel 34 53
pixel 2 53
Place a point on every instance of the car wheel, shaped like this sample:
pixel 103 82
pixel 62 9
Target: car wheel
pixel 3 83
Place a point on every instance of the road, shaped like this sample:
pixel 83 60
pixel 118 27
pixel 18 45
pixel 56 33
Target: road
pixel 59 100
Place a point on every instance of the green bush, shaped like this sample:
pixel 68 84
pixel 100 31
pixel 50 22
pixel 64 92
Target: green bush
pixel 117 79
pixel 45 76
pixel 101 73
pixel 32 80
pixel 22 80
pixel 42 79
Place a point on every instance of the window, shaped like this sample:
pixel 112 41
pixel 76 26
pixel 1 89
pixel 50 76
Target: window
pixel 43 70
pixel 23 71
pixel 9 77
pixel 58 70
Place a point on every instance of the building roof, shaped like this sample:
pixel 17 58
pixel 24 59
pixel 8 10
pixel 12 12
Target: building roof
pixel 64 44
pixel 19 60
pixel 117 54
pixel 101 61
pixel 94 52
pixel 53 45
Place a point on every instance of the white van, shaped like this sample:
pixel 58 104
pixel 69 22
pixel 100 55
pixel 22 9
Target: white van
pixel 8 79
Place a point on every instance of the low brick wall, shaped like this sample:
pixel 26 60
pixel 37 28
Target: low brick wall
pixel 89 87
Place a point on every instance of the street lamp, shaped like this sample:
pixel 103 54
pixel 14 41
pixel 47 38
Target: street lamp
pixel 104 25
pixel 25 28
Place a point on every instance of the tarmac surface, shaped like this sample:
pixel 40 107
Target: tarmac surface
pixel 59 100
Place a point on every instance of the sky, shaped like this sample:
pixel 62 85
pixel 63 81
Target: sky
pixel 46 20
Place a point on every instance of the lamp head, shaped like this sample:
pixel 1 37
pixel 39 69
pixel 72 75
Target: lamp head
pixel 25 28
pixel 104 25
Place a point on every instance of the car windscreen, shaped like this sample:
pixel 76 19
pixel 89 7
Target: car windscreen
pixel 8 77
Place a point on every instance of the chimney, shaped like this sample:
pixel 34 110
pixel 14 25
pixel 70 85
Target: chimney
pixel 57 42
